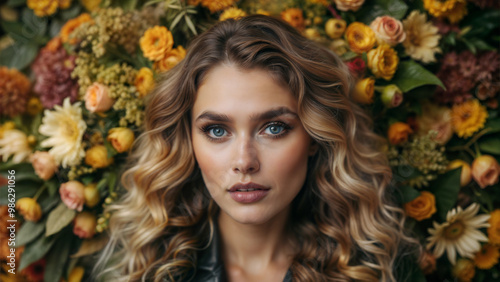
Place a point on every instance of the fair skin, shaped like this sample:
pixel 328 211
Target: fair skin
pixel 245 129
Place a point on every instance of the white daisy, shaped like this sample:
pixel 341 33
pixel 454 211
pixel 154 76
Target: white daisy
pixel 459 233
pixel 14 143
pixel 422 38
pixel 65 128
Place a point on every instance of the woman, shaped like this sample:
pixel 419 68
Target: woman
pixel 255 165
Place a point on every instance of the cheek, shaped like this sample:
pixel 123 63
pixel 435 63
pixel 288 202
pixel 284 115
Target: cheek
pixel 212 163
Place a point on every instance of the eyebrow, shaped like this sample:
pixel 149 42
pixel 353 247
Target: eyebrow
pixel 273 113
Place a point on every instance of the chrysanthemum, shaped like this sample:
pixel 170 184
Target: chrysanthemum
pixel 459 233
pixel 487 257
pixel 65 128
pixel 14 92
pixel 422 38
pixel 468 117
pixel 453 10
pixel 232 13
pixel 14 143
pixel 217 5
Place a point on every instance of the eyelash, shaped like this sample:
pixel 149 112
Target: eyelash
pixel 286 128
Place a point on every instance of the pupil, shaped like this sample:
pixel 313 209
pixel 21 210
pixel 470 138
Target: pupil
pixel 218 132
pixel 275 129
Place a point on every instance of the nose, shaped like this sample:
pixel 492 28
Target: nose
pixel 245 159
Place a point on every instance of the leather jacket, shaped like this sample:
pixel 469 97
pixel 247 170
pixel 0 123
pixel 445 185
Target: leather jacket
pixel 210 267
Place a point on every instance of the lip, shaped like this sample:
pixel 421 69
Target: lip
pixel 247 197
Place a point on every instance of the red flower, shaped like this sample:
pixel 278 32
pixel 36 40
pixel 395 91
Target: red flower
pixel 357 67
pixel 35 271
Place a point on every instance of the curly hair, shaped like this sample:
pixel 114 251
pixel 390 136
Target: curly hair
pixel 346 224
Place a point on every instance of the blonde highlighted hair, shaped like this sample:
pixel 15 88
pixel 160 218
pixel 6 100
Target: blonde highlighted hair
pixel 347 227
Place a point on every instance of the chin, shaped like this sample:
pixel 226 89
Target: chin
pixel 248 215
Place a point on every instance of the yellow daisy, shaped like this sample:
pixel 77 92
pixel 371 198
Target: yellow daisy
pixel 459 233
pixel 454 10
pixel 468 117
pixel 232 13
pixel 487 257
pixel 494 229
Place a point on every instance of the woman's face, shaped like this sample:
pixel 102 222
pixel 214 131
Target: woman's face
pixel 245 130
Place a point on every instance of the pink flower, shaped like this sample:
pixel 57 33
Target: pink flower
pixel 44 164
pixel 485 170
pixel 84 225
pixel 72 194
pixel 97 98
pixel 389 30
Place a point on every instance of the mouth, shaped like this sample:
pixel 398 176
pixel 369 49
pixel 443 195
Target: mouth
pixel 248 187
pixel 248 193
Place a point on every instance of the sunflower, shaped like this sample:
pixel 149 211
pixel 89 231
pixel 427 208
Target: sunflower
pixel 487 257
pixel 468 117
pixel 65 128
pixel 459 233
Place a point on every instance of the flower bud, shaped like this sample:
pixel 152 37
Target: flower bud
pixel 364 90
pixel 72 194
pixel 44 164
pixel 335 28
pixel 84 225
pixel 121 138
pixel 427 262
pixel 464 270
pixel 91 195
pixel 339 46
pixel 392 96
pixel 76 274
pixel 398 133
pixel 97 157
pixel 29 209
pixel 465 176
pixel 485 170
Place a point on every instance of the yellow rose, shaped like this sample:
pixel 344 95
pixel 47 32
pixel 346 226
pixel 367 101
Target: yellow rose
pixel 76 274
pixel 29 209
pixel 465 176
pixel 144 81
pixel 383 61
pixel 398 133
pixel 494 229
pixel 97 157
pixel 91 195
pixel 294 17
pixel 364 90
pixel 71 25
pixel 121 138
pixel 43 8
pixel 422 207
pixel 360 37
pixel 335 28
pixel 156 42
pixel 171 59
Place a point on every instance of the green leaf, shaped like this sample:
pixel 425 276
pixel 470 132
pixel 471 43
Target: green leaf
pixel 28 232
pixel 57 257
pixel 445 188
pixel 376 8
pixel 58 219
pixel 490 144
pixel 408 193
pixel 70 13
pixel 18 55
pixel 411 75
pixel 128 5
pixel 16 3
pixel 35 250
pixel 52 185
pixel 493 124
pixel 112 181
pixel 33 26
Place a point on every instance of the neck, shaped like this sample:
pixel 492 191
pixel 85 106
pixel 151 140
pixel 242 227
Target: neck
pixel 255 246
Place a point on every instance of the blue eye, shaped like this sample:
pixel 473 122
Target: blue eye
pixel 217 131
pixel 274 129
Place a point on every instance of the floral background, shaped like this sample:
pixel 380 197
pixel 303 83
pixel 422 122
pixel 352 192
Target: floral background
pixel 73 75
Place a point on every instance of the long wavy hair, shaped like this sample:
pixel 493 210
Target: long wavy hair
pixel 346 224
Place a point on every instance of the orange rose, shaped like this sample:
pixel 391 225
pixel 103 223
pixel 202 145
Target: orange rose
pixel 71 25
pixel 72 194
pixel 388 30
pixel 465 176
pixel 364 90
pixel 360 37
pixel 398 133
pixel 97 98
pixel 485 170
pixel 422 207
pixel 84 225
pixel 294 17
pixel 156 42
pixel 171 59
pixel 44 164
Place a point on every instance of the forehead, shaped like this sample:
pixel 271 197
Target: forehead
pixel 236 91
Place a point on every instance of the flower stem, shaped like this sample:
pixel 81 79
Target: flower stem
pixel 334 13
pixel 40 191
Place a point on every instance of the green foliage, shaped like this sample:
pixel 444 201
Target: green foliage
pixel 445 189
pixel 394 8
pixel 57 219
pixel 411 75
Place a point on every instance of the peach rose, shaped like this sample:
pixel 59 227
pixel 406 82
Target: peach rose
pixel 398 133
pixel 485 170
pixel 84 225
pixel 72 194
pixel 121 138
pixel 389 30
pixel 465 176
pixel 422 207
pixel 97 98
pixel 346 5
pixel 29 209
pixel 44 164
